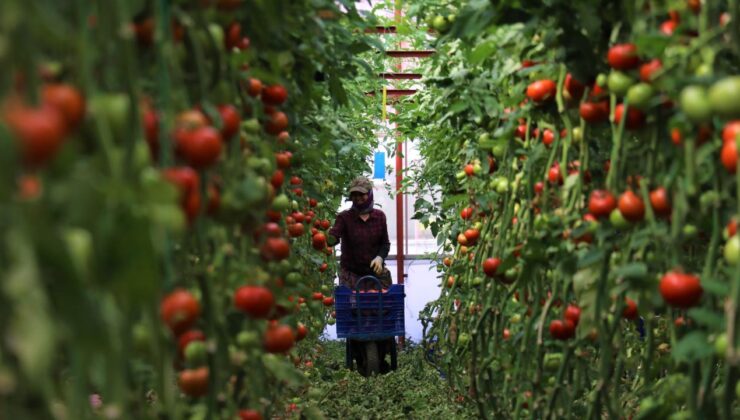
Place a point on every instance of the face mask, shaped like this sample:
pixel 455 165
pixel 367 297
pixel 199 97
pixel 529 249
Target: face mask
pixel 365 207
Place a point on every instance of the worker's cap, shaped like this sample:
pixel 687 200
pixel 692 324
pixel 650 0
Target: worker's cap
pixel 360 184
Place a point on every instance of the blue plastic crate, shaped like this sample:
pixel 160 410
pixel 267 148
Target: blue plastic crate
pixel 369 315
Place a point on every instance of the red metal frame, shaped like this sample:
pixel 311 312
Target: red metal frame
pixel 400 76
pixel 409 54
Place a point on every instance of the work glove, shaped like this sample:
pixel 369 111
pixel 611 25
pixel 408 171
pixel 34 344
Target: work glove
pixel 377 265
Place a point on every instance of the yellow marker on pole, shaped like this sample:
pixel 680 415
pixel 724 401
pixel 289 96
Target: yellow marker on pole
pixel 385 101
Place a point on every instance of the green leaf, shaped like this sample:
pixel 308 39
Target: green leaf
pixel 590 258
pixel 282 370
pixel 706 317
pixel 694 346
pixel 716 287
pixel 481 52
pixel 634 270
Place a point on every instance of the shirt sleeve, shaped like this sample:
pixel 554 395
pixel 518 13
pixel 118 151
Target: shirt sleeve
pixel 385 243
pixel 336 231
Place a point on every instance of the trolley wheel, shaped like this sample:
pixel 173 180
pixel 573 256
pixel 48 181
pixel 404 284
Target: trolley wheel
pixel 372 360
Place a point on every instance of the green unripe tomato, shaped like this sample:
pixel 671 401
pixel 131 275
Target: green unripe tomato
pixel 617 220
pixel 618 82
pixel 724 97
pixel 689 231
pixel 601 80
pixel 251 126
pixel 463 339
pixel 639 95
pixel 732 250
pixel 196 353
pixel 502 186
pixel 695 104
pixel 281 203
pixel 440 24
pixel 485 137
pixel 720 345
pixel 498 150
pixel 331 321
pixel 516 318
pixel 577 135
pixel 247 339
pixel 293 278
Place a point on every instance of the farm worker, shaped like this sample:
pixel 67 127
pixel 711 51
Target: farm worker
pixel 363 233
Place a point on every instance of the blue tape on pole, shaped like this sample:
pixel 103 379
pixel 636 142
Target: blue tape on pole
pixel 379 169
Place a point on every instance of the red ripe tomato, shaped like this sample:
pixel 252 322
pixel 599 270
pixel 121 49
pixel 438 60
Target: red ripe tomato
pixel 188 337
pixel 623 56
pixel 278 339
pixel 294 180
pixel 277 179
pixel 694 5
pixel 631 206
pixel 541 90
pixel 179 310
pixel 39 132
pixel 325 224
pixel 573 314
pixel 676 136
pixel 648 70
pixel 528 63
pixel 466 213
pixel 150 119
pixel 274 95
pixel 190 120
pixel 601 203
pixel 230 121
pixel 255 301
pixel 469 170
pixel 318 241
pixel 296 229
pixel 317 296
pixel 233 36
pixel 272 230
pixel 548 137
pixel 298 217
pixel 539 186
pixel 680 290
pixel 594 112
pixel 200 148
pixel 472 235
pixel 506 334
pixel 185 178
pixel 490 266
pixel 635 117
pixel 275 249
pixel 557 329
pixel 731 228
pixel 660 201
pixel 144 30
pixel 569 329
pixel 323 267
pixel 273 216
pixel 554 175
pixel 521 131
pixel 731 131
pixel 574 88
pixel 67 100
pixel 728 156
pixel 250 414
pixel 214 199
pixel 668 27
pixel 194 382
pixel 328 301
pixel 276 123
pixel 630 309
pixel 254 87
pixel 300 332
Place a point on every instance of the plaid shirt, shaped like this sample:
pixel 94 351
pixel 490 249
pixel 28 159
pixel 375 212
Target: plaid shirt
pixel 361 240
